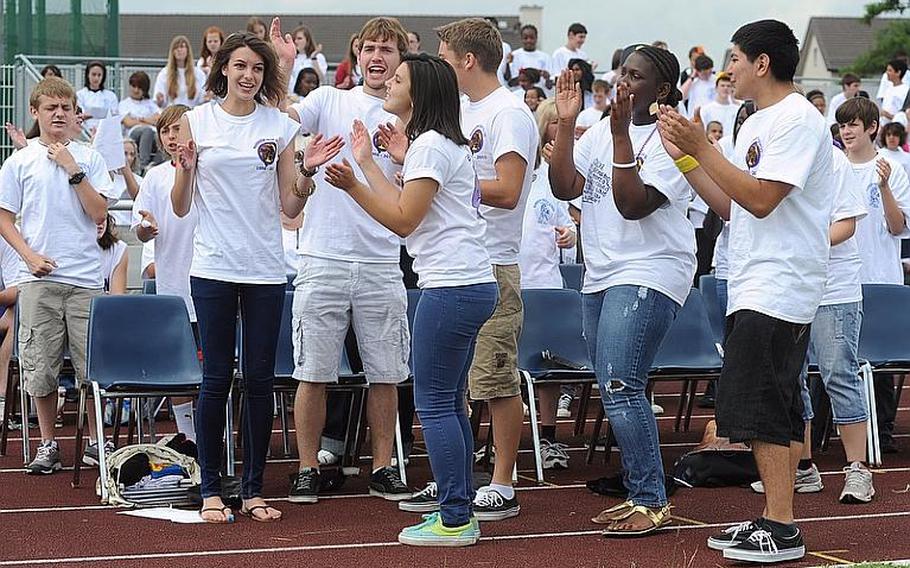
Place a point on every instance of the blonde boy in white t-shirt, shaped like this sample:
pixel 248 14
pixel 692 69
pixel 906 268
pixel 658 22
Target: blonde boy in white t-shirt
pixel 61 268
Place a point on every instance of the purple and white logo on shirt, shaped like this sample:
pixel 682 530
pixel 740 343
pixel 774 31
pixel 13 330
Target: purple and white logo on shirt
pixel 475 143
pixel 267 150
pixel 753 155
pixel 875 196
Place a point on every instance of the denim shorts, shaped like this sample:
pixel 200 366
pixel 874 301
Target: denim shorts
pixel 833 344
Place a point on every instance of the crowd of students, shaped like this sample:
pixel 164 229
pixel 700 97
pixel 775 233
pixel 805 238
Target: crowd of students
pixel 435 159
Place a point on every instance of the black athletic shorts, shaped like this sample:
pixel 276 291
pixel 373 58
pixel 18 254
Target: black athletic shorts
pixel 758 394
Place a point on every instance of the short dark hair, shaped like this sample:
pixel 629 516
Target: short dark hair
pixel 541 94
pixel 141 80
pixel 898 65
pixel 272 88
pixel 776 40
pixel 703 63
pixel 52 69
pixel 814 94
pixel 577 28
pixel 893 129
pixel 531 27
pixel 300 75
pixel 92 64
pixel 849 79
pixel 860 109
pixel 532 74
pixel 417 35
pixel 434 95
pixel 109 237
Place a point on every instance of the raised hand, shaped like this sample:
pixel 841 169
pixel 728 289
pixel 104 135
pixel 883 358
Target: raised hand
pixel 884 171
pixel 621 112
pixel 341 175
pixel 283 44
pixel 186 156
pixel 394 141
pixel 321 150
pixel 679 136
pixel 149 222
pixel 40 265
pixel 361 144
pixel 60 154
pixel 568 96
pixel 16 135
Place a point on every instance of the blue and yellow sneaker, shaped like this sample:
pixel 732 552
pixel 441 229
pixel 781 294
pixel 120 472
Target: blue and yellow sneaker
pixel 431 532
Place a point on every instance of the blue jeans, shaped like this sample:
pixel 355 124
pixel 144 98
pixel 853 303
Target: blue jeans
pixel 833 344
pixel 624 327
pixel 445 329
pixel 216 305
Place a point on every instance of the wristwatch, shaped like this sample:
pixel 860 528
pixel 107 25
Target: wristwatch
pixel 77 178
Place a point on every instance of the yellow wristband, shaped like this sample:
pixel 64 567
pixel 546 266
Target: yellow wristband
pixel 686 164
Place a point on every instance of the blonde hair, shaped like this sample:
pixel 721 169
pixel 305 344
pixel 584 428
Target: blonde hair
pixel 189 71
pixel 545 114
pixel 382 29
pixel 477 36
pixel 53 87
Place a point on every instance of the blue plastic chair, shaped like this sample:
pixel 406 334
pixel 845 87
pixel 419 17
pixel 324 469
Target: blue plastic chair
pixel 552 348
pixel 573 275
pixel 884 339
pixel 155 358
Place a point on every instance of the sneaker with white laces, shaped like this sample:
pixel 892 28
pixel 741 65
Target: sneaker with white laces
pixel 46 461
pixel 731 536
pixel 491 505
pixel 424 501
pixel 807 481
pixel 386 483
pixel 858 487
pixel 90 455
pixel 765 547
pixel 563 406
pixel 554 455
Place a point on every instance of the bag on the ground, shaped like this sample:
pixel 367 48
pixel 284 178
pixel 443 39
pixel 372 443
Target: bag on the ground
pixel 716 462
pixel 151 475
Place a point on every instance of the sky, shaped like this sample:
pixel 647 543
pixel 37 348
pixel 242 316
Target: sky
pixel 610 23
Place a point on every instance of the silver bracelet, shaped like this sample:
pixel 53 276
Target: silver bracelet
pixel 628 166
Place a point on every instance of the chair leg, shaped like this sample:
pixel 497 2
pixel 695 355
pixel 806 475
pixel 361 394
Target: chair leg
pixel 285 430
pixel 535 427
pixel 582 413
pixel 130 422
pixel 693 389
pixel 118 414
pixel 873 449
pixel 595 434
pixel 900 389
pixel 11 384
pixel 23 412
pixel 102 457
pixel 80 433
pixel 683 400
pixel 360 427
pixel 229 435
pixel 476 417
pixel 399 448
pixel 136 409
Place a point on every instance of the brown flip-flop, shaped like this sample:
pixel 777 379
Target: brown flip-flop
pixel 250 513
pixel 225 511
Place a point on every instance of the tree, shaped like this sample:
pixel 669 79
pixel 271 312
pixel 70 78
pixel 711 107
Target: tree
pixel 877 8
pixel 888 41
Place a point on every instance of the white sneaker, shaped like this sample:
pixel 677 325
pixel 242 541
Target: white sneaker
pixel 657 409
pixel 554 455
pixel 857 485
pixel 325 457
pixel 807 481
pixel 562 407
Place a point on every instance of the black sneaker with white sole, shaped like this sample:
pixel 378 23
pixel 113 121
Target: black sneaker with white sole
pixel 731 536
pixel 424 501
pixel 386 483
pixel 491 505
pixel 304 486
pixel 765 547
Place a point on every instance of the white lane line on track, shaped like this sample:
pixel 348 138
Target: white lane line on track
pixel 367 545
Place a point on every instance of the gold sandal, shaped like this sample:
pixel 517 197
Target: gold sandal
pixel 615 513
pixel 658 518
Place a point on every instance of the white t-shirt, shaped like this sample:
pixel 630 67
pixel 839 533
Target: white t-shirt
pixel 495 126
pixel 656 252
pixel 182 98
pixel 238 238
pixel 589 117
pixel 701 92
pixel 290 241
pixel 539 255
pixel 110 258
pixel 884 84
pixel 721 247
pixel 173 247
pixel 137 110
pixel 724 114
pixel 878 248
pixel 148 256
pixel 844 263
pixel 537 59
pixel 53 222
pixel 501 70
pixel 336 227
pixel 893 100
pixel 447 246
pixel 899 156
pixel 833 105
pixel 119 183
pixel 778 264
pixel 302 61
pixel 563 55
pixel 98 104
pixel 9 265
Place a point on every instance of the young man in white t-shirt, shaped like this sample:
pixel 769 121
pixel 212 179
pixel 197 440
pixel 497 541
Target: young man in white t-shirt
pixel 698 90
pixel 600 92
pixel 885 82
pixel 154 220
pixel 777 195
pixel 529 57
pixel 503 138
pixel 722 109
pixel 349 275
pixel 61 268
pixel 850 86
pixel 575 38
pixel 886 191
pixel 896 93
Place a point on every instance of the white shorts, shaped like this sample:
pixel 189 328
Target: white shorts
pixel 330 296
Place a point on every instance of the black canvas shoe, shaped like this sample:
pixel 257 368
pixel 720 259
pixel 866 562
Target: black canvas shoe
pixel 304 486
pixel 387 484
pixel 764 546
